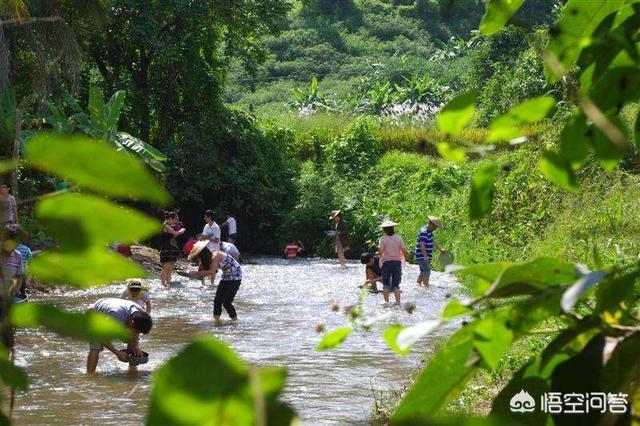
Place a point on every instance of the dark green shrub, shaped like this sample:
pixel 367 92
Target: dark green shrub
pixel 355 151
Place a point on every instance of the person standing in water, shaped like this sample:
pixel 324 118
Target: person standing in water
pixel 209 263
pixel 211 233
pixel 169 250
pixel 8 205
pixel 392 252
pixel 232 227
pixel 424 249
pixel 343 241
pixel 132 316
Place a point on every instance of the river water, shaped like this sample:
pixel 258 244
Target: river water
pixel 279 305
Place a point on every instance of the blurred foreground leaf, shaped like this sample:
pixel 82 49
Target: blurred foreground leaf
pixel 482 186
pixel 334 338
pixel 497 13
pixel 206 383
pixel 83 269
pixel 92 326
pixel 77 221
pixel 453 117
pixel 94 165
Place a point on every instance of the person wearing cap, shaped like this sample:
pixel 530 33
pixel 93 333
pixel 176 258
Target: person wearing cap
pixel 424 249
pixel 343 241
pixel 229 284
pixel 392 252
pixel 136 292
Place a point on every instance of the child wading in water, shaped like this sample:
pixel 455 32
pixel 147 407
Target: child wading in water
pixel 392 252
pixel 136 292
pixel 229 283
pixel 169 250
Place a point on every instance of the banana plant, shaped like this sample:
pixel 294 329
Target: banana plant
pixel 101 122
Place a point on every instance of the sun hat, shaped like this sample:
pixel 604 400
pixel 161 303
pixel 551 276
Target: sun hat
pixel 388 224
pixel 334 214
pixel 437 222
pixel 197 248
pixel 134 284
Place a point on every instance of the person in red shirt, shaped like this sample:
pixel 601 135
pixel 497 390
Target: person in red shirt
pixel 293 249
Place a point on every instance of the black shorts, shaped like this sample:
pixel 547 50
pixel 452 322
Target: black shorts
pixel 167 256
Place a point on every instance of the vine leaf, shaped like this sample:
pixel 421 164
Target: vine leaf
pixel 334 338
pixel 482 189
pixel 497 14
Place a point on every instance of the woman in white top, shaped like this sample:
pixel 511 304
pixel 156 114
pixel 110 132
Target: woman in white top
pixel 232 227
pixel 392 252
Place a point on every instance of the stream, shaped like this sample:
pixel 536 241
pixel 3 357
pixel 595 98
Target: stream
pixel 279 304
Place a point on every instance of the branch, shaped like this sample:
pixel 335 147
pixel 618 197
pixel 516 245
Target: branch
pixel 29 21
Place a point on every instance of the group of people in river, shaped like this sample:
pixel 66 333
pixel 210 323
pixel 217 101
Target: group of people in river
pixel 386 265
pixel 207 250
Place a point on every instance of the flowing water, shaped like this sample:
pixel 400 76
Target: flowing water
pixel 279 305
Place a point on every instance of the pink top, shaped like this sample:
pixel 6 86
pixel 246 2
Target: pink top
pixel 391 247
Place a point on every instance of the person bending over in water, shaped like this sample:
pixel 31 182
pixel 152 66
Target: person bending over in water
pixel 133 317
pixel 372 271
pixel 209 263
pixel 230 249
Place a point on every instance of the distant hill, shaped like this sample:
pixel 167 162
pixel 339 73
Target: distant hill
pixel 341 41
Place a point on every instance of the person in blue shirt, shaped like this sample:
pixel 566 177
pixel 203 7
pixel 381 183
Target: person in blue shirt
pixel 424 249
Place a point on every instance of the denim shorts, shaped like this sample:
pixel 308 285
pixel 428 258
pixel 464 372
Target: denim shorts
pixel 425 268
pixel 234 236
pixel 391 274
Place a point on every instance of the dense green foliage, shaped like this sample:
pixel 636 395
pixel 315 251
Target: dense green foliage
pixel 547 229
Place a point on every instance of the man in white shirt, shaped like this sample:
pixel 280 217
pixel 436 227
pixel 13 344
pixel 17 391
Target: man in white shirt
pixel 211 231
pixel 232 227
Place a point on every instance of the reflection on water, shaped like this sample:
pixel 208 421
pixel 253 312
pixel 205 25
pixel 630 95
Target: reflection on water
pixel 279 304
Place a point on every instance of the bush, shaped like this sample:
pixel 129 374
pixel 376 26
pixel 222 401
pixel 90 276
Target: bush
pixel 355 151
pixel 232 165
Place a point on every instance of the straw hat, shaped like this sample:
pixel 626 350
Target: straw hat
pixel 334 214
pixel 197 248
pixel 135 284
pixel 388 224
pixel 437 222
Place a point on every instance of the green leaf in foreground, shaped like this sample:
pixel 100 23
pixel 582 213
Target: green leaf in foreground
pixel 492 340
pixel 94 165
pixel 482 185
pixel 334 338
pixel 507 126
pixel 455 308
pixel 453 117
pixel 573 31
pixel 10 374
pixel 559 171
pixel 497 14
pixel 94 221
pixel 441 379
pixel 450 153
pixel 88 326
pixel 206 383
pixel 401 339
pixel 390 335
pixel 83 269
